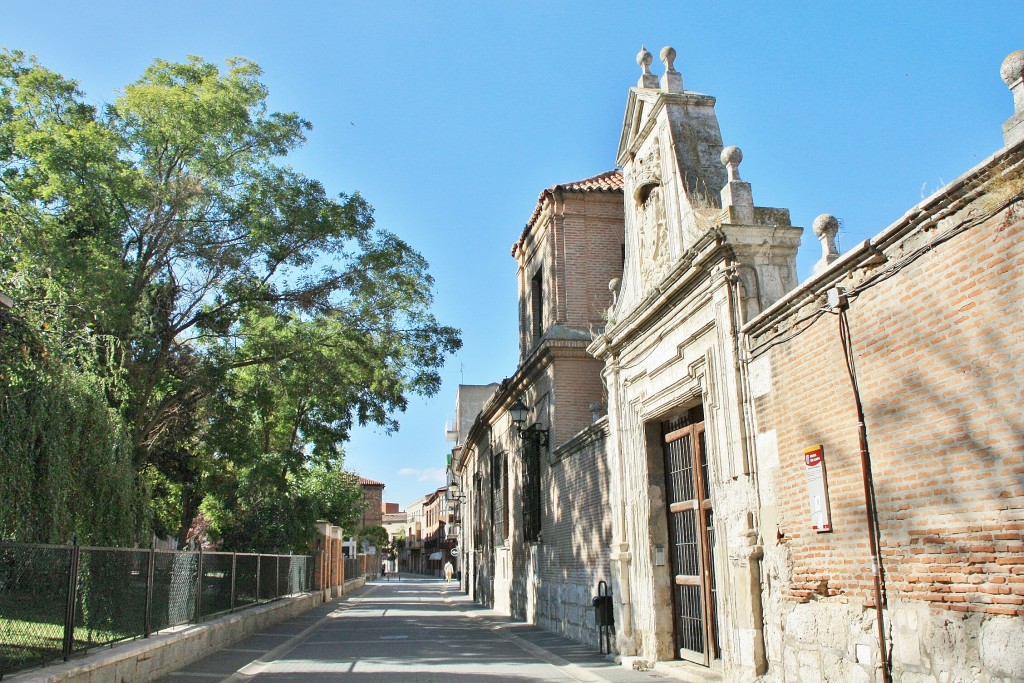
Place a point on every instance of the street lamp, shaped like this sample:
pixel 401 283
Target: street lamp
pixel 518 413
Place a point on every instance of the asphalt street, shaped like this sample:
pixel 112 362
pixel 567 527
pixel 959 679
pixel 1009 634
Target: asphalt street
pixel 415 629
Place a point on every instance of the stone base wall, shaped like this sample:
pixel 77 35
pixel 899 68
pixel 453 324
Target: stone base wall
pixel 566 608
pixel 838 643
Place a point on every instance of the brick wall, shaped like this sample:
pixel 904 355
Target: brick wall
pixel 939 349
pixel 373 494
pixel 576 245
pixel 592 224
pixel 577 535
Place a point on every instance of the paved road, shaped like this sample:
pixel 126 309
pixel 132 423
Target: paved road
pixel 419 629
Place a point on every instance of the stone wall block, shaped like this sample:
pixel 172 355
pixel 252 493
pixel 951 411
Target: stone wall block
pixel 838 669
pixel 1002 647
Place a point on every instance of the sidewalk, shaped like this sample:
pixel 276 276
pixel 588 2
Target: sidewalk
pixel 415 629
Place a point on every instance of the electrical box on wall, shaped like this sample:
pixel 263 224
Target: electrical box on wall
pixel 817 488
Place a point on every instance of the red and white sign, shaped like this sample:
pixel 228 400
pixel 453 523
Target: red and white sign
pixel 817 488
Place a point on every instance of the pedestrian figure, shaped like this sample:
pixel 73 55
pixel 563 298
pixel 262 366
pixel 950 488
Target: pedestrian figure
pixel 384 570
pixel 448 570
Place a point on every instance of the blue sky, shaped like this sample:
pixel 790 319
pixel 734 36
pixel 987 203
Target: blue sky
pixel 450 117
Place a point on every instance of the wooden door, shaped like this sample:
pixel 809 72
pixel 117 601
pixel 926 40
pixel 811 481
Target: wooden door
pixel 691 529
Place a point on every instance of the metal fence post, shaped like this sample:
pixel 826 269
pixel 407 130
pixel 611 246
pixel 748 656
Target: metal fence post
pixel 277 576
pixel 69 610
pixel 150 571
pixel 234 573
pixel 199 586
pixel 259 563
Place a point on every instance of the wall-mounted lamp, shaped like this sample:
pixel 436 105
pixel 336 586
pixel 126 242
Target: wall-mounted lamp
pixel 454 497
pixel 518 413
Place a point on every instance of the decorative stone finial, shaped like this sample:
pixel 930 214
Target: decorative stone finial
pixel 731 158
pixel 672 80
pixel 737 198
pixel 647 79
pixel 614 285
pixel 1012 69
pixel 825 227
pixel 1012 72
pixel 668 56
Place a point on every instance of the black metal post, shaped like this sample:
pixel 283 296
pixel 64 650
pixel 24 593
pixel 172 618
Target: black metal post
pixel 150 570
pixel 69 609
pixel 199 586
pixel 277 576
pixel 234 573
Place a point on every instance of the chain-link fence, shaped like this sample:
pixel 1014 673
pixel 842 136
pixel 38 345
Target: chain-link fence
pixel 58 600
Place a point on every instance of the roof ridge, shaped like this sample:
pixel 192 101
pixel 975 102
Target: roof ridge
pixel 608 180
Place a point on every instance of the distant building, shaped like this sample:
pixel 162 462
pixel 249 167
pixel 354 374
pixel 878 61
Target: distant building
pixel 373 494
pixel 395 522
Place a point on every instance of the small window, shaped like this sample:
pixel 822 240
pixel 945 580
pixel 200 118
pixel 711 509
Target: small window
pixel 499 498
pixel 478 517
pixel 537 299
pixel 531 490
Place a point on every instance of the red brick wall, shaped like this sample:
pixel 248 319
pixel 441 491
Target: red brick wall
pixel 577 242
pixel 591 255
pixel 372 514
pixel 576 384
pixel 939 349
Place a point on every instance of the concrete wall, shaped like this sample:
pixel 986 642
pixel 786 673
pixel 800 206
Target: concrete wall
pixel 159 655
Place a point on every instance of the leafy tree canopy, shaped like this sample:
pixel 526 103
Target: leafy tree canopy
pixel 244 319
pixel 376 536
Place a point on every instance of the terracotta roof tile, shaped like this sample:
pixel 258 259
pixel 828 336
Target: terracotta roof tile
pixel 363 481
pixel 609 181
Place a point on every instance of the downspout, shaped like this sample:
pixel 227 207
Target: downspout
pixel 869 487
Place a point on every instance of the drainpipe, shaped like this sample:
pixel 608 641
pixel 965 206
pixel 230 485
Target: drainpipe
pixel 838 302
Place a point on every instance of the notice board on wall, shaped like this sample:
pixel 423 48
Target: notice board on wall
pixel 817 488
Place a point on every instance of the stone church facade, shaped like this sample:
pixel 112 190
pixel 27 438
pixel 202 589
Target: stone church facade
pixel 779 481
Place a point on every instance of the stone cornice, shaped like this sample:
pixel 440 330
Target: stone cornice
pixel 686 273
pixel 594 434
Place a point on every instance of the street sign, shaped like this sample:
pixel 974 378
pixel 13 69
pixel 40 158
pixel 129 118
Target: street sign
pixel 455 551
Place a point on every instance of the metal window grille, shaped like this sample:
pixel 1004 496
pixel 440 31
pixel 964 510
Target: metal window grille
pixel 531 490
pixel 498 498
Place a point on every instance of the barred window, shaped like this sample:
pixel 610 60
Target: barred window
pixel 531 490
pixel 478 511
pixel 499 498
pixel 537 296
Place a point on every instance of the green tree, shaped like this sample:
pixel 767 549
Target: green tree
pixel 65 455
pixel 191 255
pixel 375 535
